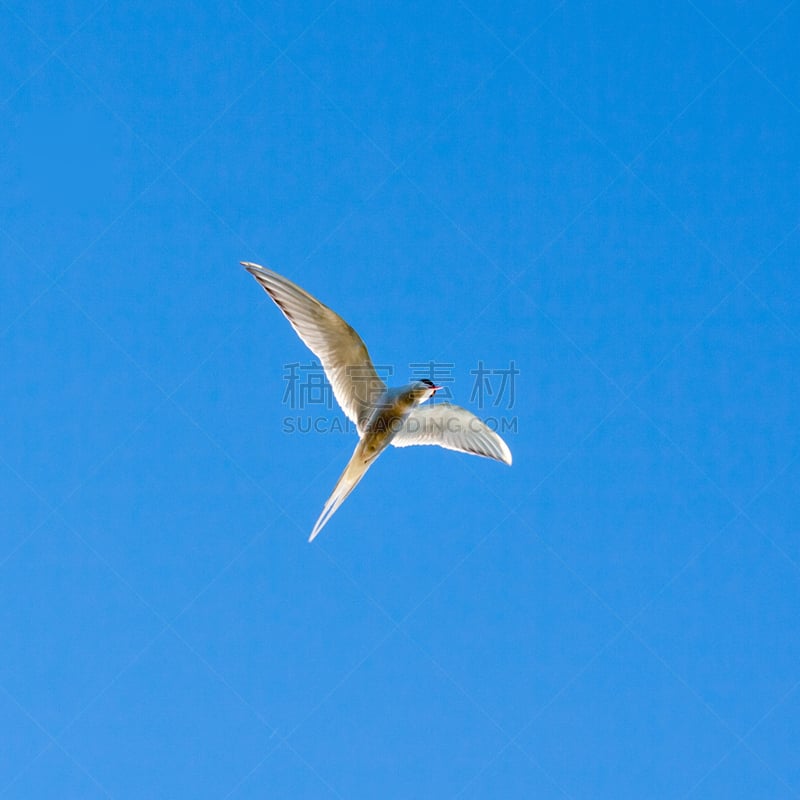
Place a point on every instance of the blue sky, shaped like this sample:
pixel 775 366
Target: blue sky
pixel 606 196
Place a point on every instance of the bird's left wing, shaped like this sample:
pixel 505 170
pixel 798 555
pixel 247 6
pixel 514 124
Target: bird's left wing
pixel 454 428
pixel 336 344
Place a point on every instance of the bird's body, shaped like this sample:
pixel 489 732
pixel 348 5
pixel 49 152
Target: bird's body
pixel 382 415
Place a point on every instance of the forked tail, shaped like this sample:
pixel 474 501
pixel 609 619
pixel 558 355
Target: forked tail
pixel 354 471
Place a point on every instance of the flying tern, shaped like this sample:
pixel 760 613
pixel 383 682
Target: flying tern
pixel 382 415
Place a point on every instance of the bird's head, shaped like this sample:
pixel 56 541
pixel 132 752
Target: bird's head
pixel 423 390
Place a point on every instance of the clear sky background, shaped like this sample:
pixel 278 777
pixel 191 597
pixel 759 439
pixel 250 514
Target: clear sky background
pixel 607 195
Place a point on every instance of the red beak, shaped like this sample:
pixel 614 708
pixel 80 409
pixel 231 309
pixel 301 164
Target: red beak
pixel 436 388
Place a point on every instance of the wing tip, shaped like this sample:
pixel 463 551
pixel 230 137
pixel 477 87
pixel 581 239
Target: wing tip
pixel 505 452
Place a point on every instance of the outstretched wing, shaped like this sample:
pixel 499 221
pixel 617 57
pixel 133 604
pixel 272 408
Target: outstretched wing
pixel 452 427
pixel 339 348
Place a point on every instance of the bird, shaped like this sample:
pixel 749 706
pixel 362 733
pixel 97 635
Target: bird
pixel 382 416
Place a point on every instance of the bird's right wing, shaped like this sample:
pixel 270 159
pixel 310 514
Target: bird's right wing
pixel 339 348
pixel 454 428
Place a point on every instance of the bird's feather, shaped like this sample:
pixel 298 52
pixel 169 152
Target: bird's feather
pixel 354 471
pixel 454 428
pixel 342 353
